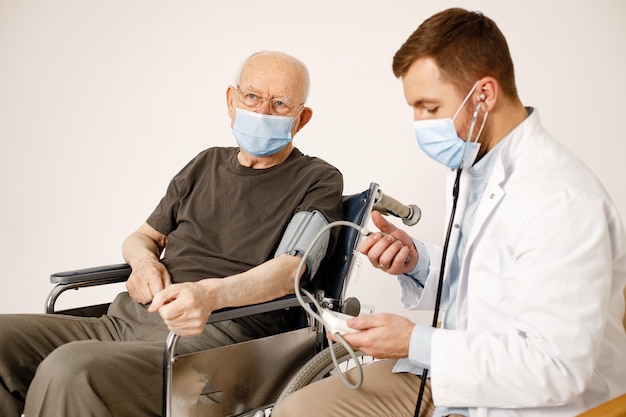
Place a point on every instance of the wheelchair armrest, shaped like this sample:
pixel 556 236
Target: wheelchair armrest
pixel 88 277
pixel 232 313
pixel 94 276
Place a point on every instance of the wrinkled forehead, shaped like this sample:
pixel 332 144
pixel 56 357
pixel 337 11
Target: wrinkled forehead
pixel 274 75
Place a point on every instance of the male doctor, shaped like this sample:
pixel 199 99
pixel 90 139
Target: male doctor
pixel 532 289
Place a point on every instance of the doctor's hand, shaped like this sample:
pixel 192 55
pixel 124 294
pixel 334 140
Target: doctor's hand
pixel 383 336
pixel 148 277
pixel 392 251
pixel 185 307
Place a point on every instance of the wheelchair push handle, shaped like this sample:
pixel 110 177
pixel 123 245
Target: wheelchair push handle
pixel 387 205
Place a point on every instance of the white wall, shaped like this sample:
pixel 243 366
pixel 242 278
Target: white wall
pixel 102 102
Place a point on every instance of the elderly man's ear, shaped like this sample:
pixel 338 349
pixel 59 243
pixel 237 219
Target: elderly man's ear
pixel 304 118
pixel 230 103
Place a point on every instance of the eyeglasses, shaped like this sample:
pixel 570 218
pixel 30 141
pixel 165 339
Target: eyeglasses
pixel 279 105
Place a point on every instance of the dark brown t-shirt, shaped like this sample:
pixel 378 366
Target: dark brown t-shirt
pixel 222 218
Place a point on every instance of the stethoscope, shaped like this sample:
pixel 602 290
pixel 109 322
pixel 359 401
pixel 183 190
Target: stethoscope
pixel 444 255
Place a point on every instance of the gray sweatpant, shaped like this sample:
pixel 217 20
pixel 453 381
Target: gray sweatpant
pixel 61 366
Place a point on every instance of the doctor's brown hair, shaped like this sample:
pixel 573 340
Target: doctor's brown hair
pixel 466 46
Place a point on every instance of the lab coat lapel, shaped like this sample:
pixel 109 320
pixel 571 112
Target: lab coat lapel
pixel 488 202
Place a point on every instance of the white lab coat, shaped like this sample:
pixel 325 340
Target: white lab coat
pixel 540 290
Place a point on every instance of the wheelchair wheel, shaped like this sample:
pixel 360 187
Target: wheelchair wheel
pixel 321 366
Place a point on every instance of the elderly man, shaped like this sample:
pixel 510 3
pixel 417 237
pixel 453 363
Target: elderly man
pixel 223 223
pixel 532 284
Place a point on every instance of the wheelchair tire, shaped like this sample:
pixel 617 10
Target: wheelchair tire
pixel 317 368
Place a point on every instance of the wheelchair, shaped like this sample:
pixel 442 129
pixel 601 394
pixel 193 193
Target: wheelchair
pixel 248 378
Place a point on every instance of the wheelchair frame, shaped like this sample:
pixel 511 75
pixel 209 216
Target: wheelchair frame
pixel 300 345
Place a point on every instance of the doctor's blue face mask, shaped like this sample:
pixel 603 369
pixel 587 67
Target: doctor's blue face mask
pixel 439 139
pixel 261 134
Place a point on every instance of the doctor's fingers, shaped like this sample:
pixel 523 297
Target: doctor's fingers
pixel 388 228
pixel 384 336
pixel 379 221
pixel 400 264
pixel 376 342
pixel 381 250
pixel 376 242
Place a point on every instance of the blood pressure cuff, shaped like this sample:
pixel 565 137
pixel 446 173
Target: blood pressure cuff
pixel 302 229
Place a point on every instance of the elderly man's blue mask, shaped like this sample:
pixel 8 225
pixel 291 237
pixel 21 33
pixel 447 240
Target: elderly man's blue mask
pixel 261 134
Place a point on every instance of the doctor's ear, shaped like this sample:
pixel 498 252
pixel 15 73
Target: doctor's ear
pixel 488 90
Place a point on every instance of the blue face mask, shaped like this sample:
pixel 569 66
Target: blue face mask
pixel 439 139
pixel 261 134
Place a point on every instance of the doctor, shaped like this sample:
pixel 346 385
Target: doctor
pixel 535 266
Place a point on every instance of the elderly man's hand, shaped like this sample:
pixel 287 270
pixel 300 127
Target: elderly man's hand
pixel 185 307
pixel 147 278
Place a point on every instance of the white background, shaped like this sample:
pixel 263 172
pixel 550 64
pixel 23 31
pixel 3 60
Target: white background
pixel 102 102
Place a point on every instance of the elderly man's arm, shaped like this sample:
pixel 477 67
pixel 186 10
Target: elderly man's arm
pixel 186 307
pixel 142 250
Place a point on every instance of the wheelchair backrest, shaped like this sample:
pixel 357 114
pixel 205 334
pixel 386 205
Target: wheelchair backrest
pixel 334 271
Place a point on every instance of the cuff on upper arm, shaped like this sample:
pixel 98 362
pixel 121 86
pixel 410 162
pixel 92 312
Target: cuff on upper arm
pixel 302 235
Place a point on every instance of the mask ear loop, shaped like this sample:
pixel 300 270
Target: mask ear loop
pixel 464 101
pixel 471 129
pixel 299 113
